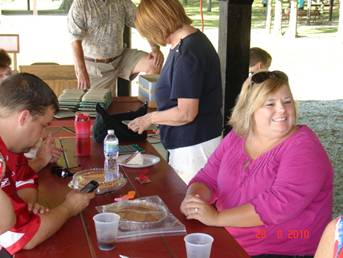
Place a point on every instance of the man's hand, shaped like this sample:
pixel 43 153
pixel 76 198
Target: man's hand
pixel 36 208
pixel 48 152
pixel 83 81
pixel 158 59
pixel 81 73
pixel 76 201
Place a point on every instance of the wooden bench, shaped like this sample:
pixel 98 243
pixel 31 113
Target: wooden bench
pixel 58 77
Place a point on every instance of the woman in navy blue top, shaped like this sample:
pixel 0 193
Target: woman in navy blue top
pixel 188 92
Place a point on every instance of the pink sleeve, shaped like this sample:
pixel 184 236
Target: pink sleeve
pixel 208 175
pixel 304 171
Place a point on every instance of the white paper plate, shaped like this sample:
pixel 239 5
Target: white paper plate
pixel 148 160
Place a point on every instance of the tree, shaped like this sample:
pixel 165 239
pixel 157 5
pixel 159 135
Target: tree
pixel 209 5
pixel 277 29
pixel 269 16
pixel 293 14
pixel 340 23
pixel 66 5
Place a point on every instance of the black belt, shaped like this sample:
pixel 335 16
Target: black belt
pixel 105 60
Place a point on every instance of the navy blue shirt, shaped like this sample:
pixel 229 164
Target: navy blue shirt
pixel 192 70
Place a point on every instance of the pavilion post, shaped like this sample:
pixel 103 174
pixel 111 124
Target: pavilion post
pixel 233 49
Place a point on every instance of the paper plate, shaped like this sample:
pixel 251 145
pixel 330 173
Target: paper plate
pixel 148 160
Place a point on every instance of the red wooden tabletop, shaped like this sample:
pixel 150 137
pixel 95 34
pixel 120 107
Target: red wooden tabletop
pixel 77 237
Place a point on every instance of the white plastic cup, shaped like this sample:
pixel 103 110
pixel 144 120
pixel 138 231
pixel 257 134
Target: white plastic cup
pixel 198 245
pixel 106 227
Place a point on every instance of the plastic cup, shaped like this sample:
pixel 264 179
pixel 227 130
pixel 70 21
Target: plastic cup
pixel 106 227
pixel 198 245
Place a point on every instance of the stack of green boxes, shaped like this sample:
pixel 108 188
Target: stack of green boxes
pixel 92 97
pixel 72 100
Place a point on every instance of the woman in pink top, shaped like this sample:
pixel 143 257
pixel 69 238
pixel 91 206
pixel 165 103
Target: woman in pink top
pixel 270 179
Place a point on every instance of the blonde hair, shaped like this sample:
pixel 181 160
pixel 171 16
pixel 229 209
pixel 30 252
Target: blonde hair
pixel 157 19
pixel 252 97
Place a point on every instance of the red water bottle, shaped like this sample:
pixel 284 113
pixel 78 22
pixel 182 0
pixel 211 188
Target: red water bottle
pixel 82 125
pixel 83 146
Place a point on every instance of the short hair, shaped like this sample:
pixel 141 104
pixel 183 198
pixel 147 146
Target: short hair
pixel 5 60
pixel 257 54
pixel 157 19
pixel 26 91
pixel 252 97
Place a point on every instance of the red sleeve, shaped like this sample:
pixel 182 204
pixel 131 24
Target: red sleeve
pixel 25 176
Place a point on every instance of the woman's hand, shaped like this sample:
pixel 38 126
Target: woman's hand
pixel 36 208
pixel 140 123
pixel 195 208
pixel 184 206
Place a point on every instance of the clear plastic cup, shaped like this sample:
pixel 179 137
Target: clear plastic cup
pixel 106 227
pixel 198 245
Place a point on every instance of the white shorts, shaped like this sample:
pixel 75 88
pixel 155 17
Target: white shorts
pixel 187 161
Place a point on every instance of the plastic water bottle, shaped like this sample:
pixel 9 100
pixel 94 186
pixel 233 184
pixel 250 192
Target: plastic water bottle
pixel 111 152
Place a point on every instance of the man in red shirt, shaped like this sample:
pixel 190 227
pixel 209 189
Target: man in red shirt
pixel 27 106
pixel 6 212
pixel 46 151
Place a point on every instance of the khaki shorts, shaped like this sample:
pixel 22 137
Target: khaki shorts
pixel 104 75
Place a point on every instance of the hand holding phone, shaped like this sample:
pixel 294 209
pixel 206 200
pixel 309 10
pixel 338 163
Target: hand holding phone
pixel 90 187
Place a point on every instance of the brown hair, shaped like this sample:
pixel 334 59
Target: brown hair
pixel 252 97
pixel 157 19
pixel 5 60
pixel 26 91
pixel 259 55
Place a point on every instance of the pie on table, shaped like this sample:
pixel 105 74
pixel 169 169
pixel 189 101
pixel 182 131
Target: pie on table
pixel 82 179
pixel 139 211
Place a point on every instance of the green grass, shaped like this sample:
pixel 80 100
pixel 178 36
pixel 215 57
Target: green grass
pixel 211 19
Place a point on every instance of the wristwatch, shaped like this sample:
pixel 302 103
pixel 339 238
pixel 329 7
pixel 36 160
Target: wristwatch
pixel 2 166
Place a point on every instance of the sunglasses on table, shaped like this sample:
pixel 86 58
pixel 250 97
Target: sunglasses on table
pixel 260 77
